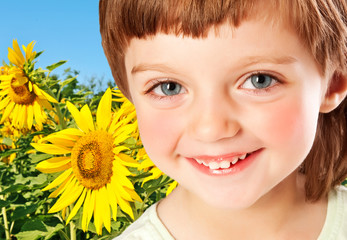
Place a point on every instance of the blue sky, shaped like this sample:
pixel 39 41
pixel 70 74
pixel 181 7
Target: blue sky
pixel 65 30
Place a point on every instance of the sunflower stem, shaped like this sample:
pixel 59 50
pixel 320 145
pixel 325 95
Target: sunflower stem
pixel 62 122
pixel 3 211
pixel 72 224
pixel 72 230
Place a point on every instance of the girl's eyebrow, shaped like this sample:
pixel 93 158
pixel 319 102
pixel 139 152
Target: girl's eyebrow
pixel 244 62
pixel 151 67
pixel 279 60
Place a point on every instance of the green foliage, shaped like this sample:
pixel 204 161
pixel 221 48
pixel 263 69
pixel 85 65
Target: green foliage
pixel 55 65
pixel 24 207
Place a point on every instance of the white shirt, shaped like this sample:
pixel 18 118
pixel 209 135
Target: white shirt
pixel 149 226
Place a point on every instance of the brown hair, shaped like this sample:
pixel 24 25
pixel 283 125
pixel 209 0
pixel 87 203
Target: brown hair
pixel 321 24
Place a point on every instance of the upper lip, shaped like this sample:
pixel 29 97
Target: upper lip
pixel 219 158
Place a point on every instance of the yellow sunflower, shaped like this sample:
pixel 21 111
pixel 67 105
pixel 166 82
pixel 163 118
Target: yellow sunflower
pixel 146 163
pixel 148 166
pixel 9 131
pixel 127 111
pixel 4 70
pixel 21 100
pixel 94 167
pixel 3 147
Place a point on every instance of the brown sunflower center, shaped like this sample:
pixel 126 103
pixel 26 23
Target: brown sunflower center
pixel 21 94
pixel 92 158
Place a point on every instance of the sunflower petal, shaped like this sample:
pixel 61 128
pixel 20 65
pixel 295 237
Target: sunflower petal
pixel 105 209
pixel 120 169
pixel 128 161
pixel 62 187
pixel 78 117
pixel 147 163
pixel 71 131
pixel 50 148
pixel 15 115
pixel 15 55
pixel 112 200
pixel 59 180
pixel 7 111
pixel 30 117
pixel 86 211
pixel 59 140
pixel 156 173
pixel 102 211
pixel 171 187
pixel 29 50
pixel 12 57
pixel 48 97
pixel 124 205
pixel 98 212
pixel 103 113
pixel 70 195
pixel 55 164
pixel 63 213
pixel 44 103
pixel 38 114
pixel 77 206
pixel 24 116
pixel 133 194
pixel 120 189
pixel 125 133
pixel 90 207
pixel 87 116
pixel 4 102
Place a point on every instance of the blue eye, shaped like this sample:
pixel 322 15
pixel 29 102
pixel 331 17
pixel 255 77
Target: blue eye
pixel 168 88
pixel 259 81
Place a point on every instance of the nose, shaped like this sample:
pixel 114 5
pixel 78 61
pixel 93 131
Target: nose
pixel 213 119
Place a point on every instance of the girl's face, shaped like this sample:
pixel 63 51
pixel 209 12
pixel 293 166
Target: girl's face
pixel 251 92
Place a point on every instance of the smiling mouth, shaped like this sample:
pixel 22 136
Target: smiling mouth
pixel 222 163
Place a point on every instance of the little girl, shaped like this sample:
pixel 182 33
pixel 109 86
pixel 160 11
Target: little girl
pixel 243 103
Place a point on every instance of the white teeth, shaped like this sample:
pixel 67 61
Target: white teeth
pixel 225 164
pixel 213 165
pixel 222 164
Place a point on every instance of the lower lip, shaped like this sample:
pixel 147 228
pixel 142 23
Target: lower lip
pixel 233 169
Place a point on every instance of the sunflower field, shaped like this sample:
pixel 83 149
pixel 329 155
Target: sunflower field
pixel 72 165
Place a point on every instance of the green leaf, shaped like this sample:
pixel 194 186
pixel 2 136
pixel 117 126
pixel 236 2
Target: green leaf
pixel 7 141
pixel 39 157
pixel 4 203
pixel 33 235
pixel 22 211
pixel 67 81
pixel 38 54
pixel 21 180
pixel 39 229
pixel 14 188
pixel 39 180
pixel 55 65
pixel 34 224
pixel 3 165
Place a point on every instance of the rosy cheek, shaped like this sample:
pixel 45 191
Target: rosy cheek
pixel 158 132
pixel 289 124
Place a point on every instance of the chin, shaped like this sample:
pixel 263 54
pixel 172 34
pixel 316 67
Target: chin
pixel 229 201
